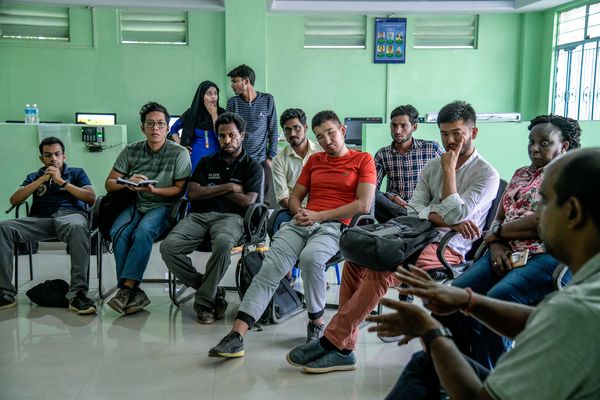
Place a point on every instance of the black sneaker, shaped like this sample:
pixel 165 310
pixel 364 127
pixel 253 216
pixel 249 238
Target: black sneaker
pixel 137 301
pixel 206 315
pixel 314 331
pixel 120 300
pixel 230 346
pixel 220 303
pixel 82 304
pixel 6 303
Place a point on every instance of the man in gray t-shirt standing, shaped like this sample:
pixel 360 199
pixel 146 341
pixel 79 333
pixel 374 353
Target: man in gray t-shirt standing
pixel 136 228
pixel 258 110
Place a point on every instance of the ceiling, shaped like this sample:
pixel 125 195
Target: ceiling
pixel 338 6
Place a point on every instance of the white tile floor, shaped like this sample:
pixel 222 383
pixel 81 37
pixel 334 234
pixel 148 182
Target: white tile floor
pixel 161 352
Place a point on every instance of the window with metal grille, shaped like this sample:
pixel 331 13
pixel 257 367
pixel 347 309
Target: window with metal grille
pixel 21 21
pixel 347 31
pixel 445 31
pixel 576 91
pixel 153 27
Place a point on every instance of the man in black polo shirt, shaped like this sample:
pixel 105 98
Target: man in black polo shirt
pixel 61 195
pixel 222 187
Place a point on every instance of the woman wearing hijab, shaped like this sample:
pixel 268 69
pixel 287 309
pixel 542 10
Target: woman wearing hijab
pixel 198 133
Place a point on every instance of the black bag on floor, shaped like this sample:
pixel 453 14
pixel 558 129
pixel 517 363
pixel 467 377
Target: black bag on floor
pixel 51 293
pixel 382 247
pixel 286 301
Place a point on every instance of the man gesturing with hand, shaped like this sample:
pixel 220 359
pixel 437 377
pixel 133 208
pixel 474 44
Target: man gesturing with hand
pixel 457 189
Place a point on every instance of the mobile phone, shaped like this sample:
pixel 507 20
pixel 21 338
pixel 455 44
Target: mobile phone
pixel 519 258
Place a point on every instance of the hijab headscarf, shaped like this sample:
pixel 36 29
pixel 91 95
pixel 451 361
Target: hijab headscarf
pixel 197 116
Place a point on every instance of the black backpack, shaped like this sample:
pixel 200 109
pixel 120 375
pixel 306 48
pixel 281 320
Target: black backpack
pixel 286 301
pixel 382 247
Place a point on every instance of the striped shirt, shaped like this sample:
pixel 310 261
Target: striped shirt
pixel 260 115
pixel 169 164
pixel 403 170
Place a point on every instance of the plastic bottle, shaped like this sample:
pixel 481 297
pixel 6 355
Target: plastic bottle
pixel 36 115
pixel 28 113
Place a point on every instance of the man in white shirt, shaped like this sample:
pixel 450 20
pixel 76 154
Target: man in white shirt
pixel 288 163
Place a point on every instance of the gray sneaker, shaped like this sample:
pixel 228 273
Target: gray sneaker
pixel 330 362
pixel 230 346
pixel 303 354
pixel 137 301
pixel 6 303
pixel 314 331
pixel 120 300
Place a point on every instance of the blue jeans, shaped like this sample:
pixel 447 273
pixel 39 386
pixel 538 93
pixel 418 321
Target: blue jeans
pixel 419 380
pixel 525 285
pixel 133 234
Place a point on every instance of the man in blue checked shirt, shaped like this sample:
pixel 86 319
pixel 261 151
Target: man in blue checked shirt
pixel 402 162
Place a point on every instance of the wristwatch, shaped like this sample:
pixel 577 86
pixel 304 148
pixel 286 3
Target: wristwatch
pixel 497 230
pixel 432 334
pixel 65 183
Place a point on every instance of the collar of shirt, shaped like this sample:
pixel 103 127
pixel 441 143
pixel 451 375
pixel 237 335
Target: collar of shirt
pixel 161 151
pixel 416 144
pixel 312 148
pixel 235 160
pixel 588 269
pixel 473 157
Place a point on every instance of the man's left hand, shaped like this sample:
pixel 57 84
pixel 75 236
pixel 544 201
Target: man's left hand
pixel 409 319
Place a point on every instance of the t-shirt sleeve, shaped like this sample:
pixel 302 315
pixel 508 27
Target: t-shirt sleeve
pixel 304 178
pixel 549 360
pixel 254 178
pixel 121 164
pixel 81 179
pixel 183 165
pixel 29 179
pixel 367 172
pixel 280 184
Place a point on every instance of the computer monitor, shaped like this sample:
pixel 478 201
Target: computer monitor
pixel 354 128
pixel 96 118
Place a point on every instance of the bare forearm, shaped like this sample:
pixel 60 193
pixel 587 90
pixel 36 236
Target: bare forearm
pixel 241 199
pixel 456 375
pixel 449 183
pixel 199 192
pixel 522 228
pixel 171 191
pixel 503 317
pixel 345 211
pixel 437 220
pixel 23 193
pixel 294 205
pixel 86 194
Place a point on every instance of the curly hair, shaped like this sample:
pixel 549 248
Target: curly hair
pixel 569 128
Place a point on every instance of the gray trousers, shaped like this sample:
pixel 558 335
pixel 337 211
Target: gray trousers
pixel 68 227
pixel 225 231
pixel 312 247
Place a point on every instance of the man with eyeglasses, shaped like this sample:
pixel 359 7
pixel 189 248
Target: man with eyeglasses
pixel 288 163
pixel 402 162
pixel 136 228
pixel 61 195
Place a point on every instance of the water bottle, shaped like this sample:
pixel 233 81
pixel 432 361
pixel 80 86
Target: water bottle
pixel 36 115
pixel 28 114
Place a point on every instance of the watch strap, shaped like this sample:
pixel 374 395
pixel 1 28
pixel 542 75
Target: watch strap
pixel 65 183
pixel 434 333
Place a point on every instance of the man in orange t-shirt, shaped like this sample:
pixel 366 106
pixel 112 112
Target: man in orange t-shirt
pixel 339 183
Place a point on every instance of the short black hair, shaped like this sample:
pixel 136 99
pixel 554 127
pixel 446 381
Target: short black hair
pixel 49 141
pixel 569 128
pixel 408 110
pixel 152 106
pixel 229 117
pixel 243 71
pixel 455 111
pixel 323 116
pixel 292 113
pixel 576 179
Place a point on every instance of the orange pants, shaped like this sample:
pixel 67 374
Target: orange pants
pixel 361 290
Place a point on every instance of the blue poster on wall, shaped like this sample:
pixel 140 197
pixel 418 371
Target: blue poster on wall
pixel 390 40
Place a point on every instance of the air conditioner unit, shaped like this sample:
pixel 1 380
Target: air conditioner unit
pixel 484 117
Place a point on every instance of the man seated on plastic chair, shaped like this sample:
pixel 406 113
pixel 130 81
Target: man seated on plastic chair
pixel 139 225
pixel 222 187
pixel 340 183
pixel 455 192
pixel 61 195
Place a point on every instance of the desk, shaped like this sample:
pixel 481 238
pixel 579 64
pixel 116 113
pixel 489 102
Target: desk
pixel 19 154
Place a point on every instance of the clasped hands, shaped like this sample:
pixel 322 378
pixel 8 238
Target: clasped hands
pixel 306 217
pixel 411 320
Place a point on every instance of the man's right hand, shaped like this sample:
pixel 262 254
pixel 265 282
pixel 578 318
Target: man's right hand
pixel 440 299
pixel 450 158
pixel 467 229
pixel 500 258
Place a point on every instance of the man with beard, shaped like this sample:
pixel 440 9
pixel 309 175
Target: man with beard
pixel 288 163
pixel 222 187
pixel 455 192
pixel 402 162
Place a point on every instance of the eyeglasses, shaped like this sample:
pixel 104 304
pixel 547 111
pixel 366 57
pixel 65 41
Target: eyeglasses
pixel 151 124
pixel 48 155
pixel 296 128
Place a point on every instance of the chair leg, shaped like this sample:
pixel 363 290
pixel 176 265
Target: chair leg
pixel 16 252
pixel 29 247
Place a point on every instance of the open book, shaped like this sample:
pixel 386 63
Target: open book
pixel 136 184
